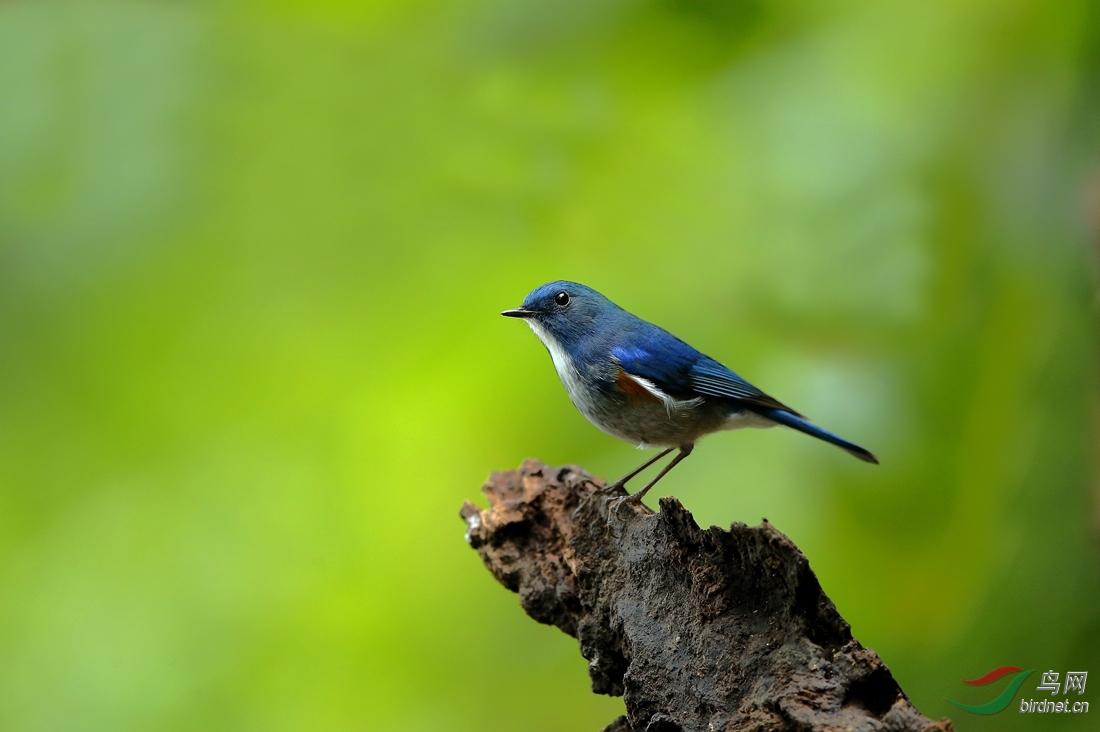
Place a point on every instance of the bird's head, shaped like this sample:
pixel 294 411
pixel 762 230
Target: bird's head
pixel 564 310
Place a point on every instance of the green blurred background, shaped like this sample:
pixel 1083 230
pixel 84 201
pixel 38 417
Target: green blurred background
pixel 251 260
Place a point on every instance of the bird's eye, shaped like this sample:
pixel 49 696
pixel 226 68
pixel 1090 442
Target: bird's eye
pixel 562 298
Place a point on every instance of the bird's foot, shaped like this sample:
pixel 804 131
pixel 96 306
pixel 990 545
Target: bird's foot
pixel 596 490
pixel 605 491
pixel 615 504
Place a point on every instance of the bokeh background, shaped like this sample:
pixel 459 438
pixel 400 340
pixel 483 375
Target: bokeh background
pixel 252 256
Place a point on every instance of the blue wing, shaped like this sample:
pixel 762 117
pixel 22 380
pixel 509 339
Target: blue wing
pixel 714 379
pixel 677 369
pixel 664 362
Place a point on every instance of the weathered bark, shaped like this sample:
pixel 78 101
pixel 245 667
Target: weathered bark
pixel 698 630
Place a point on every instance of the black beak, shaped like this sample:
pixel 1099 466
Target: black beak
pixel 518 313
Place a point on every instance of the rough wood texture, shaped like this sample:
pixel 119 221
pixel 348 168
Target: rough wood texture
pixel 698 630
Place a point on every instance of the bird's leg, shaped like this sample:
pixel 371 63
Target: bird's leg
pixel 621 482
pixel 685 450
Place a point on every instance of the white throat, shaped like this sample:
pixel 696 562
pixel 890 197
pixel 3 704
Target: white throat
pixel 563 362
pixel 585 399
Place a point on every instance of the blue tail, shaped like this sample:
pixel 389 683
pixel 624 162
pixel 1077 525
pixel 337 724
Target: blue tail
pixel 787 419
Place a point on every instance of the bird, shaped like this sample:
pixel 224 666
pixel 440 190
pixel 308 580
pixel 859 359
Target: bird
pixel 636 381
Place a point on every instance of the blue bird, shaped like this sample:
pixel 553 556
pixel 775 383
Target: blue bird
pixel 639 383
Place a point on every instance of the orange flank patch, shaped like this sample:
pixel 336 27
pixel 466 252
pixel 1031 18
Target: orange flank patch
pixel 630 387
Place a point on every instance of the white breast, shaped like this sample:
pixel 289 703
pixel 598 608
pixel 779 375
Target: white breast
pixel 563 364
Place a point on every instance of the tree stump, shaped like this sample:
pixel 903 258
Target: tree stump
pixel 698 630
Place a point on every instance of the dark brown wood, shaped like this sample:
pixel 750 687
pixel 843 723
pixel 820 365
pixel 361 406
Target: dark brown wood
pixel 699 630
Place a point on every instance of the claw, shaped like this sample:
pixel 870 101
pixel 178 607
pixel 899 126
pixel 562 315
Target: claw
pixel 613 507
pixel 596 490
